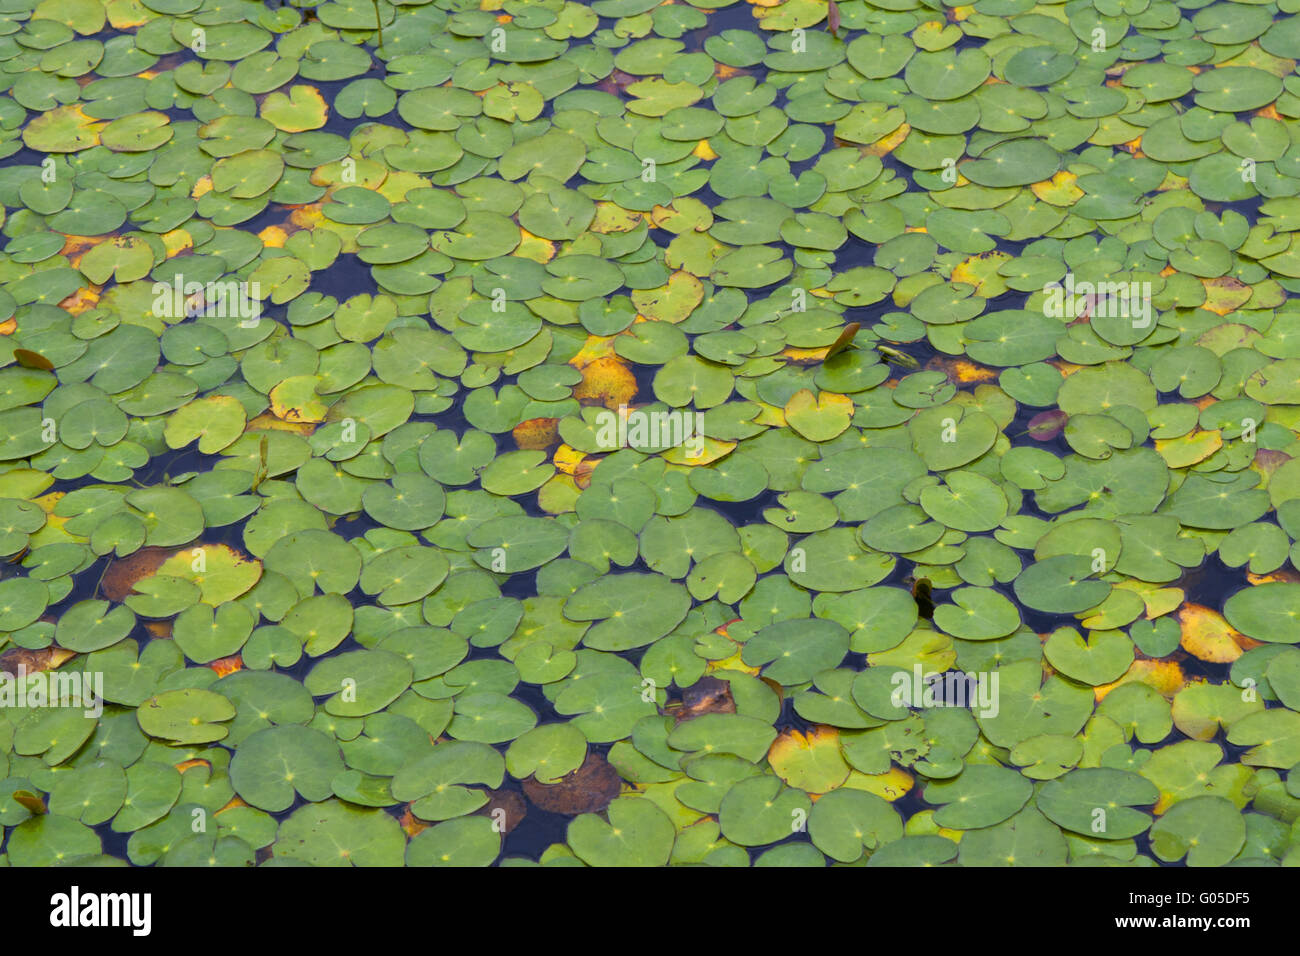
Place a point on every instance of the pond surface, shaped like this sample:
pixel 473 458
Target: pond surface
pixel 366 581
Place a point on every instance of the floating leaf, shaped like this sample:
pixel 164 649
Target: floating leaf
pixel 190 716
pixel 637 834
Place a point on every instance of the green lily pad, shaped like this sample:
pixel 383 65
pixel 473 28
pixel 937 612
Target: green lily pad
pixel 980 796
pixel 190 716
pixel 1208 830
pixel 637 833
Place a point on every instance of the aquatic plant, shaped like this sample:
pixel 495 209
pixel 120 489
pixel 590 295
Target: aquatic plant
pixel 780 432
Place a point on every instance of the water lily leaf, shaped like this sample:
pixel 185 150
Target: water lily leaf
pixel 845 822
pixel 746 737
pixel 811 762
pixel 170 516
pixel 762 810
pixel 466 841
pixel 53 733
pixel 605 707
pixel 1208 830
pixel 23 433
pixel 980 796
pixel 163 595
pixel 359 682
pixel 216 421
pixel 1098 802
pixel 1245 88
pixel 1016 163
pixel 1101 658
pixel 922 850
pixel 334 833
pixel 437 782
pixel 362 789
pixel 752 267
pixel 1283 673
pixel 947 437
pixel 1027 839
pixel 637 833
pixel 833 560
pixel 977 614
pixel 947 74
pixel 633 610
pixel 1000 331
pixel 313 558
pixel 152 789
pixel 137 133
pixel 793 651
pixel 48 839
pixel 1029 706
pixel 1200 708
pixel 247 174
pixel 64 129
pixel 91 626
pixel 966 502
pixel 517 473
pixel 1061 585
pixel 1273 735
pixel 490 718
pixel 205 634
pixel 548 752
pixel 514 544
pixel 189 716
pixel 404 575
pixel 272 765
pixel 303 108
pixel 818 417
pixel 1265 611
pixel 125 258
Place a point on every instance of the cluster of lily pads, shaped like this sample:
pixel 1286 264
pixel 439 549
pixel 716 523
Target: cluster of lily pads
pixel 360 575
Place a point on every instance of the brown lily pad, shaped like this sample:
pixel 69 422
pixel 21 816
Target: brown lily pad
pixel 537 434
pixel 607 381
pixel 708 695
pixel 32 661
pixel 590 788
pixel 845 339
pixel 30 359
pixel 162 630
pixel 512 805
pixel 121 576
pixel 923 595
pixel 411 824
pixel 30 801
pixel 1047 425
